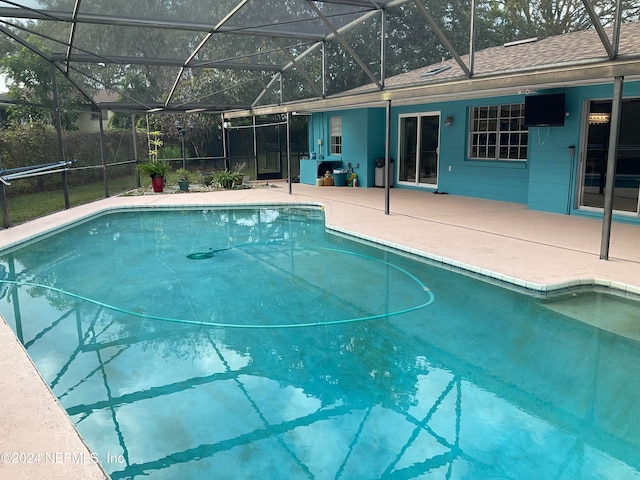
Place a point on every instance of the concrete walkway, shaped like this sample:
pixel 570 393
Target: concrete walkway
pixel 503 240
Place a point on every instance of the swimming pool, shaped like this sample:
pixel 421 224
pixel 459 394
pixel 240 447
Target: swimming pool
pixel 253 343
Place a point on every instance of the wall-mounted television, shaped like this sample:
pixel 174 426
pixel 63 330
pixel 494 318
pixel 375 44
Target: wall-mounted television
pixel 544 110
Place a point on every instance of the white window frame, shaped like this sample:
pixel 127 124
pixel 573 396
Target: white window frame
pixel 497 132
pixel 335 135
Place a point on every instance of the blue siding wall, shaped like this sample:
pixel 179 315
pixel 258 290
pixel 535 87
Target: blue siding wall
pixel 495 180
pixel 552 168
pixel 546 181
pixel 553 176
pixel 362 139
pixel 375 148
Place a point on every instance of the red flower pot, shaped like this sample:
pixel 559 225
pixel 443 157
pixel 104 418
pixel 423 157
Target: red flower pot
pixel 158 183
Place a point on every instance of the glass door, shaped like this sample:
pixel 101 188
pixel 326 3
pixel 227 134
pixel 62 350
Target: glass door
pixel 419 149
pixel 270 143
pixel 408 149
pixel 626 195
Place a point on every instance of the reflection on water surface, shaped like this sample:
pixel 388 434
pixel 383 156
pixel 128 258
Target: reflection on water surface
pixel 482 383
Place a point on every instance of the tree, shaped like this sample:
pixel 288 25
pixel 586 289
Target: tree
pixel 31 87
pixel 410 42
pixel 520 19
pixel 6 46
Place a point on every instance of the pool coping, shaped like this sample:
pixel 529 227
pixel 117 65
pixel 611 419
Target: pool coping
pixel 39 438
pixel 140 207
pixel 619 288
pixel 462 267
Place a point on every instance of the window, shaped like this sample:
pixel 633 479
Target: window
pixel 335 134
pixel 96 115
pixel 497 132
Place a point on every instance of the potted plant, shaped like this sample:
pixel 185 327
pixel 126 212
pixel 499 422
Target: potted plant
pixel 239 177
pixel 226 179
pixel 157 171
pixel 183 179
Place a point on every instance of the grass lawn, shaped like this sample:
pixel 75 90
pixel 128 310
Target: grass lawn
pixel 33 205
pixel 28 206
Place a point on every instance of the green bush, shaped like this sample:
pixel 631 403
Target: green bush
pixel 29 145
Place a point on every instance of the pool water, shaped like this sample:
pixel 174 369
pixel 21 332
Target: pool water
pixel 252 343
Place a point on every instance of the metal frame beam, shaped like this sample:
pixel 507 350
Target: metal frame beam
pixel 501 83
pixel 201 45
pixel 97 19
pixel 165 62
pixel 320 44
pixel 443 38
pixel 345 44
pixel 72 33
pixel 612 159
pixel 302 71
pixel 25 44
pixel 58 122
pixel 611 48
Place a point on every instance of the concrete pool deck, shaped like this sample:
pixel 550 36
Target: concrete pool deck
pixel 506 241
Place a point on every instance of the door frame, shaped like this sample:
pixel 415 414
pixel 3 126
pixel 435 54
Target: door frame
pixel 582 163
pixel 419 116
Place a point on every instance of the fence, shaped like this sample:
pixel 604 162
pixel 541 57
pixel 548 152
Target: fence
pixel 98 165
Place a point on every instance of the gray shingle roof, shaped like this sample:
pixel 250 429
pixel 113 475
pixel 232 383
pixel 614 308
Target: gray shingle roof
pixel 573 47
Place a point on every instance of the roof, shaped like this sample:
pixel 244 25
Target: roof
pixel 568 49
pixel 564 60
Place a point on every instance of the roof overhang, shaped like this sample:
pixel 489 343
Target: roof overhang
pixel 479 86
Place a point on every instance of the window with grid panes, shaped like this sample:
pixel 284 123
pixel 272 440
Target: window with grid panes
pixel 497 132
pixel 335 135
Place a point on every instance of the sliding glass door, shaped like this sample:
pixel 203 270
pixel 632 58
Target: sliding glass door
pixel 626 197
pixel 419 149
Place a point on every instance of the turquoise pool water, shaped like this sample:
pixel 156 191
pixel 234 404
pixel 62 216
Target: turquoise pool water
pixel 240 343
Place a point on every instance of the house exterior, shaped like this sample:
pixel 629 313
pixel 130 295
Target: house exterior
pixel 482 142
pixel 89 121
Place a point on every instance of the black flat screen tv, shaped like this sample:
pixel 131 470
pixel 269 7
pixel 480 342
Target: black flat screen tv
pixel 544 110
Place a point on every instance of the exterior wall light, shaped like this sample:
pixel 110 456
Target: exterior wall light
pixel 599 118
pixel 448 121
